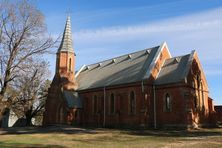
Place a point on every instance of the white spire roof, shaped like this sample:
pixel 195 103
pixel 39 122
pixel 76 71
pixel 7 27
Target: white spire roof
pixel 66 43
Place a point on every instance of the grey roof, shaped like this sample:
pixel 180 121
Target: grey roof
pixel 66 43
pixel 174 70
pixel 72 98
pixel 120 70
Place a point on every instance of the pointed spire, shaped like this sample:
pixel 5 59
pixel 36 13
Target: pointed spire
pixel 66 43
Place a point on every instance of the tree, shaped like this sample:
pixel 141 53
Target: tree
pixel 23 38
pixel 31 92
pixel 39 106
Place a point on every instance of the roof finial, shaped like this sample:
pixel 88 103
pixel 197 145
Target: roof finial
pixel 69 10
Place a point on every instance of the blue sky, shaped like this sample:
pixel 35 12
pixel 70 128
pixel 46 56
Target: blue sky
pixel 106 28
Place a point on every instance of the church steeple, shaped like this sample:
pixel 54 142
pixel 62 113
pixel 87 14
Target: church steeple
pixel 65 60
pixel 66 43
pixel 63 86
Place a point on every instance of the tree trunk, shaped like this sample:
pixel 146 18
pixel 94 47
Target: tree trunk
pixel 29 121
pixel 29 116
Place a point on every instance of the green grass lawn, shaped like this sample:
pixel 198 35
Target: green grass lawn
pixel 59 137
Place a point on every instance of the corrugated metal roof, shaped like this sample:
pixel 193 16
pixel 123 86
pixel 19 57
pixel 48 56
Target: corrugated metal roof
pixel 120 70
pixel 173 70
pixel 72 98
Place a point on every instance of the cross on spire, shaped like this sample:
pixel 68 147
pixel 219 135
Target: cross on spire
pixel 69 10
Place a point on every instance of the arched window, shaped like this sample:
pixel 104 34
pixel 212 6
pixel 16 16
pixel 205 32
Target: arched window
pixel 195 102
pixel 202 92
pixel 198 81
pixel 112 104
pixel 167 102
pixel 193 84
pixel 132 103
pixel 95 104
pixel 70 64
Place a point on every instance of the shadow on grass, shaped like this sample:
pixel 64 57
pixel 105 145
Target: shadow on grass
pixel 21 145
pixel 177 133
pixel 145 132
pixel 46 130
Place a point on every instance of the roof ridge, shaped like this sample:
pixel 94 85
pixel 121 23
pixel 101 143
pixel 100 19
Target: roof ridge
pixel 179 56
pixel 122 56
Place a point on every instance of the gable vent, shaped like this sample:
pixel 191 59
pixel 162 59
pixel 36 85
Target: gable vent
pixel 176 60
pixel 148 51
pixel 129 56
pixel 87 67
pixel 113 60
pixel 100 64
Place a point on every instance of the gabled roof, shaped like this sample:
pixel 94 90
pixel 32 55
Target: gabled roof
pixel 66 43
pixel 120 70
pixel 72 99
pixel 174 70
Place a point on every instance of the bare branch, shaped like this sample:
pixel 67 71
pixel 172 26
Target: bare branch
pixel 23 39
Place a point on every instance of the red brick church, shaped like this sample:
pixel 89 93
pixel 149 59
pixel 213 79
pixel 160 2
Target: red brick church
pixel 147 88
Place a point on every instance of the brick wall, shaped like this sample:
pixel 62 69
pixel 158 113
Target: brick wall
pixel 121 115
pixel 177 112
pixel 218 109
pixel 65 69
